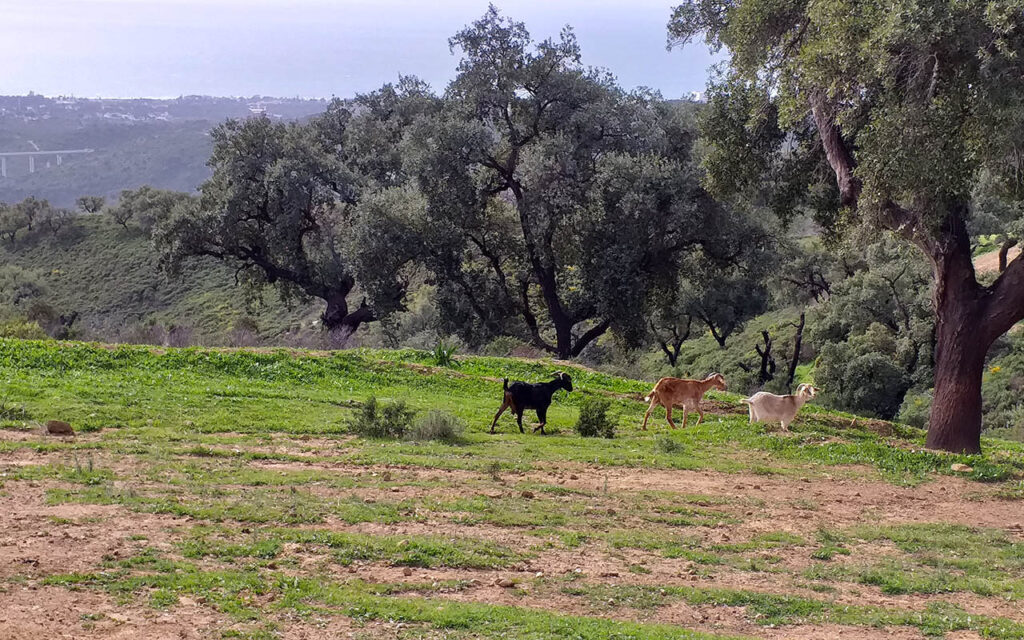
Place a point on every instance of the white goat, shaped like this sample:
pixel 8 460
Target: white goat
pixel 768 407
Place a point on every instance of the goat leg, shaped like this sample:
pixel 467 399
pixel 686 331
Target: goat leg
pixel 504 405
pixel 648 414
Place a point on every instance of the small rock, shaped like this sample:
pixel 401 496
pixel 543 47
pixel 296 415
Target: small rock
pixel 407 571
pixel 395 489
pixel 611 512
pixel 527 494
pixel 757 486
pixel 539 574
pixel 368 501
pixel 610 574
pixel 961 468
pixel 505 583
pixel 59 428
pixel 750 513
pixel 805 480
pixel 573 476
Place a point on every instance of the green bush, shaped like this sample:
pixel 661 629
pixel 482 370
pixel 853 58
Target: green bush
pixel 438 425
pixel 382 420
pixel 593 420
pixel 868 384
pixel 915 409
pixel 22 329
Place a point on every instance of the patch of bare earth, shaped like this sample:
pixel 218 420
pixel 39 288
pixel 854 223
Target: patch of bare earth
pixel 38 540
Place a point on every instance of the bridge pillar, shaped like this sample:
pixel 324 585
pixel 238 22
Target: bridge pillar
pixel 59 160
pixel 3 167
pixel 31 164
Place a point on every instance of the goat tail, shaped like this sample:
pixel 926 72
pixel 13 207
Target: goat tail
pixel 746 401
pixel 505 384
pixel 650 395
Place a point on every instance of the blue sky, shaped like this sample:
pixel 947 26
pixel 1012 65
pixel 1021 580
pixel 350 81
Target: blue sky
pixel 309 48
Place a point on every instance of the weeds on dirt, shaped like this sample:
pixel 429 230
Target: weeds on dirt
pixel 665 444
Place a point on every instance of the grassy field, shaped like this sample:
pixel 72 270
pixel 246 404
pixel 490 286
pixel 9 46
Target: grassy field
pixel 219 494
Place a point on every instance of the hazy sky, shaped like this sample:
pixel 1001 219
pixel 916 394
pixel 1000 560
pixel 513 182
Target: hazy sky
pixel 310 48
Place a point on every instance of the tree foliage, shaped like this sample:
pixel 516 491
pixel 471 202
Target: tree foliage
pixel 90 204
pixel 284 200
pixel 145 206
pixel 554 204
pixel 875 332
pixel 884 115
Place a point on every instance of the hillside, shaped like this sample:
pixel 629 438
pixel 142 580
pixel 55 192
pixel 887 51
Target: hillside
pixel 221 494
pixel 109 276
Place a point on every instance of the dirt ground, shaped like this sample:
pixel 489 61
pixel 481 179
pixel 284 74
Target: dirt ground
pixel 38 539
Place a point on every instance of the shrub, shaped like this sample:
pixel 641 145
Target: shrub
pixel 593 420
pixel 915 409
pixel 438 425
pixel 382 420
pixel 869 384
pixel 22 329
pixel 500 347
pixel 444 353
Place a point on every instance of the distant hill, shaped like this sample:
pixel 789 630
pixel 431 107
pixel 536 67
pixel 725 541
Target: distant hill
pixel 109 276
pixel 163 143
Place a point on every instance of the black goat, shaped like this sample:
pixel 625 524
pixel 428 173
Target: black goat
pixel 520 396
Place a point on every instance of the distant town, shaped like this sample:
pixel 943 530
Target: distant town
pixel 34 107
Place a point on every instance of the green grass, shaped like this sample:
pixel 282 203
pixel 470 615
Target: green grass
pixel 932 558
pixel 271 496
pixel 172 395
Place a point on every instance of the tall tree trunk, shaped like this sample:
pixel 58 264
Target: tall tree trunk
pixel 961 342
pixel 767 373
pixel 337 318
pixel 955 422
pixel 797 344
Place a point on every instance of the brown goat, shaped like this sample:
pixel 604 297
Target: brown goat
pixel 670 392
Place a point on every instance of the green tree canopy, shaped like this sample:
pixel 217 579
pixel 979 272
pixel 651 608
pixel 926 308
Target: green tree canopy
pixel 883 115
pixel 554 204
pixel 284 199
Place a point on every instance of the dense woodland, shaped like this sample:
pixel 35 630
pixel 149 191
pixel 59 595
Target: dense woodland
pixel 818 218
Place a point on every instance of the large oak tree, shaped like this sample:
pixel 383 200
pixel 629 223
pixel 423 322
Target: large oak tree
pixel 906 103
pixel 284 200
pixel 552 203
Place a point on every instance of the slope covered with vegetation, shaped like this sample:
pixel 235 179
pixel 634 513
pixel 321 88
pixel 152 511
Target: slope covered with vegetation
pixel 109 276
